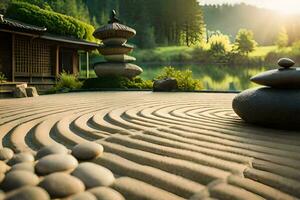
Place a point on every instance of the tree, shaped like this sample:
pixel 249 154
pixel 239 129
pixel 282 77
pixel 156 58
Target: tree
pixel 244 41
pixel 282 38
pixel 219 44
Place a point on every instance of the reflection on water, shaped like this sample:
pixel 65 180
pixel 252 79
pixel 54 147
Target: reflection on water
pixel 223 78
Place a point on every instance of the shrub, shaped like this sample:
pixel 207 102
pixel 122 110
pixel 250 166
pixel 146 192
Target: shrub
pixel 185 79
pixel 117 82
pixel 219 44
pixel 66 82
pixel 55 23
pixel 2 78
pixel 244 41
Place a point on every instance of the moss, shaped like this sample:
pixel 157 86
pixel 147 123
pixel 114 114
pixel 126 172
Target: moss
pixel 54 22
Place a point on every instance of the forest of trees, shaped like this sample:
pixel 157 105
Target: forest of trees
pixel 167 22
pixel 265 24
pixel 178 22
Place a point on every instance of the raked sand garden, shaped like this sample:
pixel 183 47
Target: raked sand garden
pixel 156 146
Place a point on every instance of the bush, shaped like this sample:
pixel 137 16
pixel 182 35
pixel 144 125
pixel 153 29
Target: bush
pixel 55 23
pixel 185 79
pixel 2 78
pixel 66 82
pixel 116 82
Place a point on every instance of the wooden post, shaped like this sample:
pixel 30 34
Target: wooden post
pixel 13 58
pixel 56 62
pixel 87 65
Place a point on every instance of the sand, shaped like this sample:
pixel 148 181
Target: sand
pixel 162 145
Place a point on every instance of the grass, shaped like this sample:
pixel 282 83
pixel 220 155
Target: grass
pixel 262 51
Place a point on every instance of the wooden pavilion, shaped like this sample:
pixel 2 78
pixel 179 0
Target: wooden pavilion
pixel 29 54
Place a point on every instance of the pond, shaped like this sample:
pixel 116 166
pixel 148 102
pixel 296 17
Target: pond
pixel 214 77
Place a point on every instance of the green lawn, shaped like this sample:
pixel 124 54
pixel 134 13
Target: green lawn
pixel 166 53
pixel 262 51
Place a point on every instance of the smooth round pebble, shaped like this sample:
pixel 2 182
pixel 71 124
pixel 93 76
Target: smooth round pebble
pixel 83 196
pixel 105 193
pixel 17 179
pixel 52 149
pixel 87 150
pixel 55 163
pixel 93 175
pixel 286 62
pixel 28 193
pixel 3 167
pixel 21 157
pixel 26 166
pixel 60 185
pixel 6 154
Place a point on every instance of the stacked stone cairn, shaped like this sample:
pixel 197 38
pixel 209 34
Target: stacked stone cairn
pixel 114 36
pixel 275 105
pixel 56 172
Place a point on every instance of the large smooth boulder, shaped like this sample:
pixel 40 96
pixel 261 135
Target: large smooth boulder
pixel 165 85
pixel 61 185
pixel 55 163
pixel 3 167
pixel 93 175
pixel 28 193
pixel 87 150
pixel 32 92
pixel 128 70
pixel 20 91
pixel 17 179
pixel 115 50
pixel 269 107
pixel 6 154
pixel 52 149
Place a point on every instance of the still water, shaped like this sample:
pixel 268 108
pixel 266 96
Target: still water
pixel 216 78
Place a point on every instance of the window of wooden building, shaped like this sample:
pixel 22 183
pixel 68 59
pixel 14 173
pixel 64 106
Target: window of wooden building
pixel 33 57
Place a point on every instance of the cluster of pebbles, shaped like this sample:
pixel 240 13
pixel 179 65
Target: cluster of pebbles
pixel 276 104
pixel 114 36
pixel 56 173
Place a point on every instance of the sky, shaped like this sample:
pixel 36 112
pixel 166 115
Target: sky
pixel 282 6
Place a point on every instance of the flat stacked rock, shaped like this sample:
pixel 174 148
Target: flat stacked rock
pixel 277 103
pixel 114 49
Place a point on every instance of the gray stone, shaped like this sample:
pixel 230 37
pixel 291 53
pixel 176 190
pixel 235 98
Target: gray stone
pixel 52 149
pixel 28 193
pixel 26 166
pixel 279 78
pixel 115 50
pixel 269 107
pixel 17 179
pixel 31 92
pixel 105 193
pixel 83 196
pixel 20 91
pixel 3 167
pixel 120 58
pixel 117 69
pixel 6 154
pixel 87 151
pixel 286 63
pixel 165 85
pixel 61 185
pixel 21 157
pixel 93 175
pixel 55 163
pixel 114 41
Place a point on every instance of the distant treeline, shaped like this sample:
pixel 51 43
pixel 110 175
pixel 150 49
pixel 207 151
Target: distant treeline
pixel 265 24
pixel 167 22
pixel 177 22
